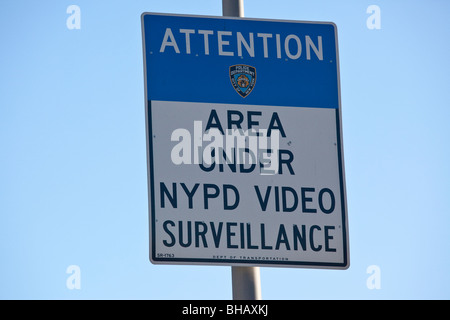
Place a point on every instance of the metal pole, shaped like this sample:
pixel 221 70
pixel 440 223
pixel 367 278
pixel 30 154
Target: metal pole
pixel 246 280
pixel 233 8
pixel 246 283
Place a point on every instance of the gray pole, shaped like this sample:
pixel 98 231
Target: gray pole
pixel 246 280
pixel 233 8
pixel 246 283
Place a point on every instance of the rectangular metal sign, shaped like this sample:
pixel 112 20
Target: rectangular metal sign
pixel 244 142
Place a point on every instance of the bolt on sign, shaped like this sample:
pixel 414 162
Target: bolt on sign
pixel 244 142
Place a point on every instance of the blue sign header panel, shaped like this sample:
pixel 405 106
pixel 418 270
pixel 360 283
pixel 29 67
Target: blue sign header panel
pixel 241 61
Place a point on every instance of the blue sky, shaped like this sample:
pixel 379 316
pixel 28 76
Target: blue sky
pixel 73 168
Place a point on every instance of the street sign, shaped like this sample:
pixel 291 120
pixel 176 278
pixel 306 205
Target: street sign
pixel 244 142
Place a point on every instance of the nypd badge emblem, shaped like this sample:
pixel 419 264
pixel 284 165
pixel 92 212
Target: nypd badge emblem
pixel 243 79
